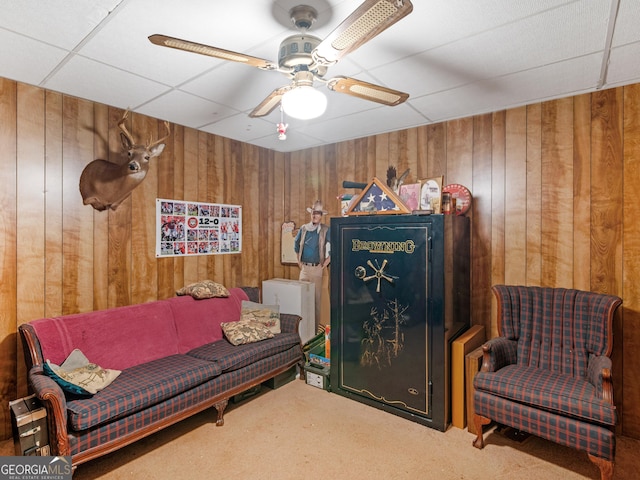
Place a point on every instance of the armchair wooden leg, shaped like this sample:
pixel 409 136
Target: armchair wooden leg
pixel 605 466
pixel 220 406
pixel 478 422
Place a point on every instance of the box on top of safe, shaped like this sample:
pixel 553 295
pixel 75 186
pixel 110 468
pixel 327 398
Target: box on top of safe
pixel 30 426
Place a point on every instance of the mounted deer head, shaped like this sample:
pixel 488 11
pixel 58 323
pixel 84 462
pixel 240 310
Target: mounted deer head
pixel 105 184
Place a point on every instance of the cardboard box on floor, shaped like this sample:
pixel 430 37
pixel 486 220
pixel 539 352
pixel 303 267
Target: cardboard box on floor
pixel 461 346
pixel 472 364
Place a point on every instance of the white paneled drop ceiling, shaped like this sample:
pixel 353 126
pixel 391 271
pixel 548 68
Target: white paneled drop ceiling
pixel 455 58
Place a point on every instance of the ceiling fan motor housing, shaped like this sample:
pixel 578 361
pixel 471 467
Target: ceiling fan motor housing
pixel 296 51
pixel 303 16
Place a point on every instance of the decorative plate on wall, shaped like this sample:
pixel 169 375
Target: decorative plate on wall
pixel 462 196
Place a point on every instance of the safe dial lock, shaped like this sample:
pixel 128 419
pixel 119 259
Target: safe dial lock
pixel 378 273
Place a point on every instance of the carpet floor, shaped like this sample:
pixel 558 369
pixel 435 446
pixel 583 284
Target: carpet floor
pixel 299 431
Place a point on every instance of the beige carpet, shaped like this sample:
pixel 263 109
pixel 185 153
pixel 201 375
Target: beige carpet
pixel 299 431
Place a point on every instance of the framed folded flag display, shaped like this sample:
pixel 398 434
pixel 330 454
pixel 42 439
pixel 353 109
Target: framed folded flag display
pixel 377 199
pixel 194 228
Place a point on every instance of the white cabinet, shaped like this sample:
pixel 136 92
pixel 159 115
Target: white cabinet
pixel 295 297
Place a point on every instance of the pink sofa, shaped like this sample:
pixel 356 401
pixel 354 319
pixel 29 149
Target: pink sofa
pixel 174 360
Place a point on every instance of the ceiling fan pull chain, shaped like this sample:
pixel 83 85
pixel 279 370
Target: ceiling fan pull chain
pixel 282 127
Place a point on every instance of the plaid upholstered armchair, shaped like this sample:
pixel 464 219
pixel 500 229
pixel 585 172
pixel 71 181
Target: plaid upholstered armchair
pixel 548 372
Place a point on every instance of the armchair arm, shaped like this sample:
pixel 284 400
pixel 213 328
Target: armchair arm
pixel 253 293
pixel 599 375
pixel 52 397
pixel 290 323
pixel 497 353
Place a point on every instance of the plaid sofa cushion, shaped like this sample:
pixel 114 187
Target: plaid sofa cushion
pixel 139 387
pixel 231 357
pixel 553 392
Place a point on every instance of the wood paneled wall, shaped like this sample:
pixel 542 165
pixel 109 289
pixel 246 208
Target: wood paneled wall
pixel 555 188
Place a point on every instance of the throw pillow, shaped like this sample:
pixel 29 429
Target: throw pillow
pixel 79 376
pixel 245 331
pixel 204 289
pixel 268 315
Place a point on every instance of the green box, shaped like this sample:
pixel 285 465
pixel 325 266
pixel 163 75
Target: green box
pixel 282 378
pixel 246 394
pixel 317 376
pixel 317 350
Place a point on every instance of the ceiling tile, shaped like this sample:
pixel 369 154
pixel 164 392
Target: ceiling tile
pixel 186 109
pixel 95 81
pixel 236 84
pixel 33 64
pixel 370 122
pixel 123 42
pixel 296 140
pixel 241 127
pixel 624 66
pixel 501 51
pixel 627 21
pixel 63 23
pixel 569 78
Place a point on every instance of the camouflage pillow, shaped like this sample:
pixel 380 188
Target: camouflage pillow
pixel 204 289
pixel 268 315
pixel 245 331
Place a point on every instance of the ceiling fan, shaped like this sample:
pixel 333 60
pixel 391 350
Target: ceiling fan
pixel 305 58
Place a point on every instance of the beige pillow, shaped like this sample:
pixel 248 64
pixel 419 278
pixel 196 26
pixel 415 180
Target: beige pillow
pixel 245 331
pixel 204 289
pixel 268 315
pixel 79 376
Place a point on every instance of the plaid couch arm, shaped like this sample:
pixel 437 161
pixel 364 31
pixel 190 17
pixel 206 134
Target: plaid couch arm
pixel 289 323
pixel 599 375
pixel 497 353
pixel 55 403
pixel 253 293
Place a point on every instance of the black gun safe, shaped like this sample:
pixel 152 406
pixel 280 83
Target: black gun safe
pixel 400 293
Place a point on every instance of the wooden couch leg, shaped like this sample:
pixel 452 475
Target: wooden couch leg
pixel 605 466
pixel 220 406
pixel 478 422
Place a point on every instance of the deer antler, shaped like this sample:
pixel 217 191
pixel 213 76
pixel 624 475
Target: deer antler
pixel 123 127
pixel 160 140
pixel 151 143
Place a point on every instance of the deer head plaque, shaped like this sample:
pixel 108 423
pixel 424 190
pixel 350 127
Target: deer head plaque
pixel 105 184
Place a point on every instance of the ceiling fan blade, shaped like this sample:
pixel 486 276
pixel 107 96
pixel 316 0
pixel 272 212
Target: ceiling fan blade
pixel 269 103
pixel 367 21
pixel 171 42
pixel 367 91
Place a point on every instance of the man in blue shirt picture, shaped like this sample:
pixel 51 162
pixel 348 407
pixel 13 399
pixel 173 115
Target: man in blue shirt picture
pixel 313 249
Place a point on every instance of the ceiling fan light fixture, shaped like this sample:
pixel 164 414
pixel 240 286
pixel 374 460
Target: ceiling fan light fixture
pixel 304 102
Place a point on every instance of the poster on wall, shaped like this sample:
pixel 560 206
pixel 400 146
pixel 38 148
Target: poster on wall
pixel 194 228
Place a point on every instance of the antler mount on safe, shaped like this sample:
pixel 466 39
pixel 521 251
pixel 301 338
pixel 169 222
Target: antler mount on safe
pixel 305 58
